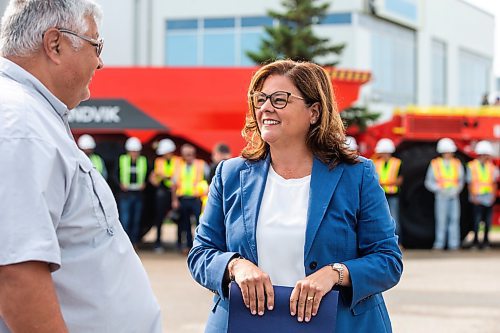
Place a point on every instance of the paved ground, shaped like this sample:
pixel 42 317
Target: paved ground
pixel 439 292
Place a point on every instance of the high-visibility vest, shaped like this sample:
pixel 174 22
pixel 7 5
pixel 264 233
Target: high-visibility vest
pixel 166 168
pixel 388 173
pixel 446 176
pixel 141 166
pixel 481 177
pixel 190 179
pixel 97 162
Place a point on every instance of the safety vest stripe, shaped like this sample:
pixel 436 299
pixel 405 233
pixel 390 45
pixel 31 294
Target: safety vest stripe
pixel 166 168
pixel 481 177
pixel 97 162
pixel 446 176
pixel 388 173
pixel 125 166
pixel 187 181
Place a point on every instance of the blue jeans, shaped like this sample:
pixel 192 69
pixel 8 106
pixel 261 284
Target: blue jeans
pixel 189 206
pixel 130 207
pixel 163 206
pixel 447 214
pixel 393 202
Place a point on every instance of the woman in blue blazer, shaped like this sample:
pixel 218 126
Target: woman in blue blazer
pixel 297 209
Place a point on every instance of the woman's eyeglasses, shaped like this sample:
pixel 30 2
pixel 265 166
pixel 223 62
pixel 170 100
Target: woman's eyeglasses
pixel 279 99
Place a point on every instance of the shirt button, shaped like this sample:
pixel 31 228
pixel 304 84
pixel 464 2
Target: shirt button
pixel 313 265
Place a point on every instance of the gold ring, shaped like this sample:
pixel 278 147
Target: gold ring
pixel 310 298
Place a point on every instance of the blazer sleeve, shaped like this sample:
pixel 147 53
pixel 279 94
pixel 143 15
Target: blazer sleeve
pixel 208 258
pixel 379 265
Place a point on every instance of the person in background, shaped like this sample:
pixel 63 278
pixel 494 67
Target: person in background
pixel 298 209
pixel 352 144
pixel 221 152
pixel 161 177
pixel 132 172
pixel 189 186
pixel 389 175
pixel 87 144
pixel 497 101
pixel 445 178
pixel 482 177
pixel 485 101
pixel 66 264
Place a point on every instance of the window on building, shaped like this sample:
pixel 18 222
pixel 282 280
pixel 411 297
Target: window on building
pixel 213 41
pixel 221 41
pixel 438 73
pixel 181 44
pixel 392 61
pixel 475 71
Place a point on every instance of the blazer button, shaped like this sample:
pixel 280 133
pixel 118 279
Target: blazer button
pixel 313 265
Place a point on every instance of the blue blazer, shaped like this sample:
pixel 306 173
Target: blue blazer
pixel 348 221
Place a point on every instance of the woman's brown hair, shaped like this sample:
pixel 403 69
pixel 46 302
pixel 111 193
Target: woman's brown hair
pixel 326 138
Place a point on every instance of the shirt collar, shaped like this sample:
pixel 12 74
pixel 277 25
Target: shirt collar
pixel 22 76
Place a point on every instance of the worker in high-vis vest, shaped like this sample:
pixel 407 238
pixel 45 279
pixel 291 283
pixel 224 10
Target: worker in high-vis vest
pixel 132 171
pixel 190 185
pixel 388 169
pixel 87 144
pixel 161 178
pixel 482 177
pixel 445 178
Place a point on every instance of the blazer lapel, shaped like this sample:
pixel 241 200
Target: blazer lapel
pixel 253 181
pixel 323 184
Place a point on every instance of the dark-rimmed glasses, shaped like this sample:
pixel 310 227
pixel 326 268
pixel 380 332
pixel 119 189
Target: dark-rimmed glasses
pixel 279 99
pixel 97 43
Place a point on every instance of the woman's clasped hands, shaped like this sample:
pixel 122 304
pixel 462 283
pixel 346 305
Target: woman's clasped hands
pixel 258 293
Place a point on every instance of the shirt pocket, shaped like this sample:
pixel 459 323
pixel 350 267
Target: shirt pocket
pixel 101 198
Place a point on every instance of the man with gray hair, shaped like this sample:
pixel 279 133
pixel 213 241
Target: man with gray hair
pixel 65 262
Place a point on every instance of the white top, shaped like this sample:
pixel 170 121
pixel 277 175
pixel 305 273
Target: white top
pixel 281 228
pixel 55 207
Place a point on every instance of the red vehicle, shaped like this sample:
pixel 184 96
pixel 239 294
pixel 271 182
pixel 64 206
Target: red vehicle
pixel 415 132
pixel 205 106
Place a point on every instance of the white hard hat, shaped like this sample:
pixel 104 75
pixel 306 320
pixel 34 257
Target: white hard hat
pixel 385 146
pixel 133 144
pixel 86 142
pixel 165 146
pixel 484 148
pixel 446 145
pixel 351 143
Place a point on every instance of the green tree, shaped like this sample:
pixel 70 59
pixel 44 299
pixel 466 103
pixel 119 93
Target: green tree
pixel 358 117
pixel 293 37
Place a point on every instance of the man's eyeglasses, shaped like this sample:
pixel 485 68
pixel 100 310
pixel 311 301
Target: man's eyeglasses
pixel 279 99
pixel 97 43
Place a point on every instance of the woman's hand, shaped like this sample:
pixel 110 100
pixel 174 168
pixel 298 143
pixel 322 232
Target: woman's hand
pixel 255 285
pixel 307 294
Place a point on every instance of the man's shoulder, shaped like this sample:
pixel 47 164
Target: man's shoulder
pixel 18 108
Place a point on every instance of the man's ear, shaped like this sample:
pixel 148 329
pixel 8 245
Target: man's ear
pixel 52 45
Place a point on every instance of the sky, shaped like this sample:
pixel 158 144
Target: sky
pixel 492 6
